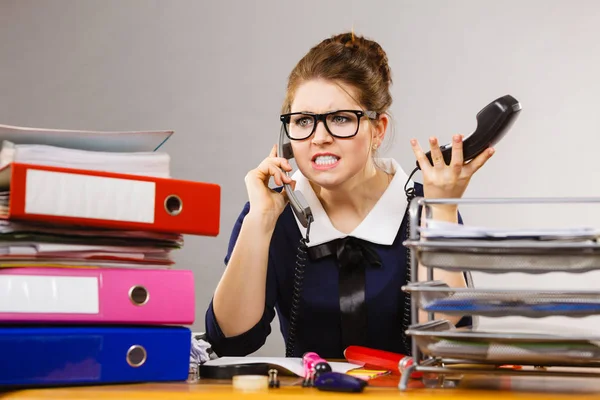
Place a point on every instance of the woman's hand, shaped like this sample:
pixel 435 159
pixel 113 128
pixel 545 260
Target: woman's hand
pixel 447 181
pixel 265 201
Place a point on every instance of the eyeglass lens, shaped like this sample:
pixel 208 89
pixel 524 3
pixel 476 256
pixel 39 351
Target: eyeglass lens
pixel 343 124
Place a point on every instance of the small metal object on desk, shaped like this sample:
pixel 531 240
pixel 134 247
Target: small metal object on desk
pixel 273 380
pixel 193 373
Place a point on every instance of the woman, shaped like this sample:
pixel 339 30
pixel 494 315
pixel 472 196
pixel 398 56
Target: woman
pixel 356 263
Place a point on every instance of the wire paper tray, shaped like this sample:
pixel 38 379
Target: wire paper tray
pixel 507 256
pixel 438 297
pixel 443 350
pixel 440 339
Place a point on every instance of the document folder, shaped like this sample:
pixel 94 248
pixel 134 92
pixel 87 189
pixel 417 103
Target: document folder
pixel 50 356
pixel 113 141
pixel 109 200
pixel 97 295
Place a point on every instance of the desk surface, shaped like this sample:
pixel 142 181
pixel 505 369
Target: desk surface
pixel 483 387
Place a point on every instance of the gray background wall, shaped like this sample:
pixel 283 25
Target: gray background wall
pixel 215 72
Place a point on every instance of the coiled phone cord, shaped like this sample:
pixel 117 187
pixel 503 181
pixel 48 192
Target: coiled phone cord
pixel 301 257
pixel 406 315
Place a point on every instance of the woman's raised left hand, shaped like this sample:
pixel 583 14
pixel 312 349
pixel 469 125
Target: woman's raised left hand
pixel 447 181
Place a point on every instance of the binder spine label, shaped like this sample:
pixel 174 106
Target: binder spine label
pixel 85 196
pixel 49 294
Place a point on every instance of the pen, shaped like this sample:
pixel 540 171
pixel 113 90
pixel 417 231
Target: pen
pixel 395 362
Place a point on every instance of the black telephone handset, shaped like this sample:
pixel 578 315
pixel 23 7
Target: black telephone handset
pixel 297 201
pixel 493 121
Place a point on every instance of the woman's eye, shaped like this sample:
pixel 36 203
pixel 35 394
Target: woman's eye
pixel 303 121
pixel 339 119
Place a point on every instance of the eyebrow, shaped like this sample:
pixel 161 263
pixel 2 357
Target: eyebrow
pixel 325 112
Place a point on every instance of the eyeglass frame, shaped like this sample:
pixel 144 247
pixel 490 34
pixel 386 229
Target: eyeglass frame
pixel 285 120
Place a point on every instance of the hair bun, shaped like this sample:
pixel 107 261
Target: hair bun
pixel 349 59
pixel 372 50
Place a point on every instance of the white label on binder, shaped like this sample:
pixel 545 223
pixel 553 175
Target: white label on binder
pixel 49 294
pixel 86 196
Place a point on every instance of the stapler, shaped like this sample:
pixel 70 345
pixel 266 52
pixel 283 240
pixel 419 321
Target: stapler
pixel 339 382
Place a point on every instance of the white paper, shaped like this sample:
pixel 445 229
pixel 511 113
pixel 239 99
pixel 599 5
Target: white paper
pixel 443 229
pixel 292 364
pixel 155 164
pixel 124 141
pixel 539 327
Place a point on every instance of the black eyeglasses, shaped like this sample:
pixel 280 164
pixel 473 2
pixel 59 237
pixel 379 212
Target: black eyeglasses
pixel 340 124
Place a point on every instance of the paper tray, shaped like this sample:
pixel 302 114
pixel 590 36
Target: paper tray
pixel 440 339
pixel 438 297
pixel 507 256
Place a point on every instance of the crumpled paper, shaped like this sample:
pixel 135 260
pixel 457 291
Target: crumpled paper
pixel 200 351
pixel 199 354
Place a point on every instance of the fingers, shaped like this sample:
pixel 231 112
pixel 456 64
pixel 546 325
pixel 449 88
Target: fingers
pixel 273 166
pixel 479 161
pixel 436 153
pixel 457 159
pixel 278 175
pixel 273 152
pixel 420 155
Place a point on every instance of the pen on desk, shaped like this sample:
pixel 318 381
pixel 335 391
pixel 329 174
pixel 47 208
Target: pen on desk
pixel 368 357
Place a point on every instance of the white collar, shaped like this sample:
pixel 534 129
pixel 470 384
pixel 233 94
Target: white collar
pixel 380 226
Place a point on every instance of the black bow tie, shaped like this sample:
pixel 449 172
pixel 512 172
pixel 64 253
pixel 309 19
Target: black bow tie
pixel 355 253
pixel 350 253
pixel 353 256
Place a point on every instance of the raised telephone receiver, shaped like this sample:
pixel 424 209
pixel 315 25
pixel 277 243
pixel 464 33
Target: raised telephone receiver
pixel 493 121
pixel 297 201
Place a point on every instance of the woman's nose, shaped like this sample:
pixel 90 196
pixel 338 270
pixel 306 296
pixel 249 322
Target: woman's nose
pixel 321 135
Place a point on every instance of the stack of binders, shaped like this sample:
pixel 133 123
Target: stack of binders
pixel 88 292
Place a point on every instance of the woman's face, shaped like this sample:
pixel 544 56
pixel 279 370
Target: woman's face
pixel 326 160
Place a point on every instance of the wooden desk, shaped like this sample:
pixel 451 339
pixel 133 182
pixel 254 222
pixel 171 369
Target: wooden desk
pixel 482 387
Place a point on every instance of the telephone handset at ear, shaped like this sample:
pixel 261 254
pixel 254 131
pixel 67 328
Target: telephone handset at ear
pixel 493 121
pixel 297 201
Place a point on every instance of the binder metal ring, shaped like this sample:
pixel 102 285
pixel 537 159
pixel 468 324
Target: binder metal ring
pixel 136 356
pixel 173 205
pixel 139 295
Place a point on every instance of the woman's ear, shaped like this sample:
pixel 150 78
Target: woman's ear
pixel 380 128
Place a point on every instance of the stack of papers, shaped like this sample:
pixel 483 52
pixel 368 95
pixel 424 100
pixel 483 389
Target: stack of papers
pixel 33 244
pixel 155 164
pixel 504 304
pixel 518 353
pixel 104 141
pixel 37 245
pixel 448 230
pixel 518 343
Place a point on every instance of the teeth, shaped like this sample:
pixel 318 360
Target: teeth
pixel 326 160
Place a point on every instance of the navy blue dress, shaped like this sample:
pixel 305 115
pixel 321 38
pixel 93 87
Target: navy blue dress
pixel 319 325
